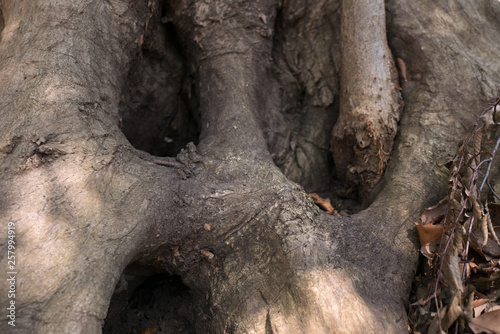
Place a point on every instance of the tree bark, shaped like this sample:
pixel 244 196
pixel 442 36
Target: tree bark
pixel 370 103
pixel 255 252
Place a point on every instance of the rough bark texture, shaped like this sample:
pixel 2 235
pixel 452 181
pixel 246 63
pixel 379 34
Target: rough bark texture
pixel 304 95
pixel 251 77
pixel 370 103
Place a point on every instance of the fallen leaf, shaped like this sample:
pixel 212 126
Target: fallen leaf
pixel 467 268
pixel 430 232
pixel 487 322
pixel 431 214
pixel 448 315
pixel 450 270
pixel 494 210
pixel 429 250
pixel 452 313
pixel 479 308
pixel 429 228
pixel 490 250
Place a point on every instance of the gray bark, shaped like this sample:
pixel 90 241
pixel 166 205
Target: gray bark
pixel 370 103
pixel 87 204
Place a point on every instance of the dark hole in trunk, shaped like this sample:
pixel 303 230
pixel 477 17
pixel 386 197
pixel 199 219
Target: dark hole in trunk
pixel 157 109
pixel 159 303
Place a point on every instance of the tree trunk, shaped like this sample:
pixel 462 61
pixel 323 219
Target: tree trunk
pixel 259 82
pixel 370 104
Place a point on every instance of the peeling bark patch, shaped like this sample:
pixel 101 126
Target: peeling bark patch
pixel 49 152
pixel 89 108
pixel 10 144
pixel 366 159
pixel 44 152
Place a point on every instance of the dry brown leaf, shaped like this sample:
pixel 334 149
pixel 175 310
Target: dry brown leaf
pixel 492 231
pixel 494 222
pixel 490 250
pixel 452 314
pixel 494 210
pixel 475 243
pixel 467 268
pixel 448 317
pixel 451 272
pixel 476 208
pixel 430 232
pixel 468 303
pixel 433 213
pixel 479 302
pixel 479 309
pixel 454 209
pixel 430 249
pixel 484 229
pixel 325 204
pixel 488 322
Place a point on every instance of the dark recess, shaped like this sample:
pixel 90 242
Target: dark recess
pixel 159 302
pixel 157 114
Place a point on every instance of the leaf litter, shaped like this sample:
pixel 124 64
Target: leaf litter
pixel 458 288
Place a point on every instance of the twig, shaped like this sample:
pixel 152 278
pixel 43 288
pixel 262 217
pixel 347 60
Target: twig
pixel 487 174
pixel 168 163
pixel 492 191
